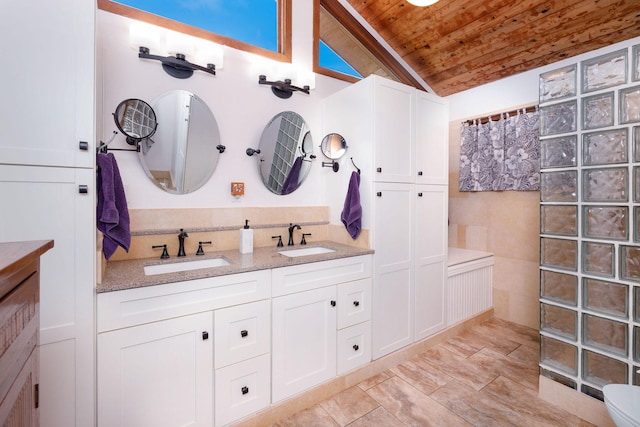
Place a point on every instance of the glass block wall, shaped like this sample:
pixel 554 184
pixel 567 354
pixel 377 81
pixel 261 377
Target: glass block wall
pixel 590 222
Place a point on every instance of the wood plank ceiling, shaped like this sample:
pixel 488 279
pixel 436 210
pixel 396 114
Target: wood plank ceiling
pixel 456 45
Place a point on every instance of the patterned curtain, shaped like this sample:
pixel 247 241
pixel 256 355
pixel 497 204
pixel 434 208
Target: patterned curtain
pixel 501 155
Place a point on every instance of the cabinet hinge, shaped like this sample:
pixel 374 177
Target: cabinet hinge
pixel 36 396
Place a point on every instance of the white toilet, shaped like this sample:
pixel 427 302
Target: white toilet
pixel 623 404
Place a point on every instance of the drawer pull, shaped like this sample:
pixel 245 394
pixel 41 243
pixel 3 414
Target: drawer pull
pixel 379 170
pixel 244 333
pixel 356 303
pixel 245 390
pixel 419 194
pixel 355 347
pixel 419 173
pixel 379 194
pixel 333 303
pixel 205 335
pixel 83 189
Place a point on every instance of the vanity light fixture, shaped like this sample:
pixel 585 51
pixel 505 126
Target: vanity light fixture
pixel 177 66
pixel 421 3
pixel 282 89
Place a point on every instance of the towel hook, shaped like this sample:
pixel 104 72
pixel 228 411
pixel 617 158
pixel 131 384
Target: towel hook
pixel 354 165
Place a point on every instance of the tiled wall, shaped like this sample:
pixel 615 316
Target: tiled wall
pixel 505 223
pixel 221 226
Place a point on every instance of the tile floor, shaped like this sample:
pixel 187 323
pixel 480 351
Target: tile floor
pixel 486 376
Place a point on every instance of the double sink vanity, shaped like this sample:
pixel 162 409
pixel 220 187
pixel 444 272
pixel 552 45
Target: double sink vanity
pixel 211 339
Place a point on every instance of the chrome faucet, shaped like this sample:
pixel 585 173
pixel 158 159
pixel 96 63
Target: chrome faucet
pixel 291 228
pixel 183 234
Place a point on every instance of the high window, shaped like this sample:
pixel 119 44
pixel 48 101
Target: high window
pixel 344 49
pixel 256 26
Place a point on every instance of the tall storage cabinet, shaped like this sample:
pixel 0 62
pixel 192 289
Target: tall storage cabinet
pixel 47 176
pixel 398 137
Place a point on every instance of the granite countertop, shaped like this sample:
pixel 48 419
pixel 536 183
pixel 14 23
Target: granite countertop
pixel 120 275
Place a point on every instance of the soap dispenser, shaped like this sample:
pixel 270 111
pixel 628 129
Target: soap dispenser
pixel 246 239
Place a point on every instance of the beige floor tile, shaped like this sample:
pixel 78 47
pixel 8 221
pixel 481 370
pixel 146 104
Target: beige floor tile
pixel 375 380
pixel 349 405
pixel 531 410
pixel 457 367
pixel 412 407
pixel 312 417
pixel 420 375
pixel 497 364
pixel 476 408
pixel 378 417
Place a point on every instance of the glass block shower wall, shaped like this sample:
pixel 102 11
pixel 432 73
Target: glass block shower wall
pixel 590 222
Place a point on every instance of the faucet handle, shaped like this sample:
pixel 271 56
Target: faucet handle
pixel 279 240
pixel 200 251
pixel 165 254
pixel 304 241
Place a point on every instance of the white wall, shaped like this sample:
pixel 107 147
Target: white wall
pixel 515 91
pixel 242 108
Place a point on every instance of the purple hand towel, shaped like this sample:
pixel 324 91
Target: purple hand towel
pixel 112 213
pixel 352 212
pixel 291 181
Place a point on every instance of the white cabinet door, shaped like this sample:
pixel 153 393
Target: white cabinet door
pixel 393 132
pixel 158 374
pixel 393 321
pixel 50 83
pixel 431 259
pixel 304 341
pixel 432 139
pixel 41 203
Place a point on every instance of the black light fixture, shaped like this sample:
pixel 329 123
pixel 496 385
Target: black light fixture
pixel 282 89
pixel 176 66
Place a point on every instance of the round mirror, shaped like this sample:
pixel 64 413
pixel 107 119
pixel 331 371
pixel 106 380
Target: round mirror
pixel 185 149
pixel 285 153
pixel 333 146
pixel 136 120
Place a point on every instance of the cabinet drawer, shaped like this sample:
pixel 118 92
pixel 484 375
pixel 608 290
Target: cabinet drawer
pixel 354 303
pixel 354 347
pixel 130 307
pixel 242 389
pixel 303 277
pixel 242 332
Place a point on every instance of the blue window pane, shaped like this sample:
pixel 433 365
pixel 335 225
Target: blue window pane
pixel 250 21
pixel 331 60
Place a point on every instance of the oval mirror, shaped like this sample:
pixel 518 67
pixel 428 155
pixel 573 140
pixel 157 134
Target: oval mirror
pixel 136 120
pixel 185 149
pixel 333 146
pixel 285 153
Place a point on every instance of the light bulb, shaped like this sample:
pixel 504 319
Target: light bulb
pixel 422 3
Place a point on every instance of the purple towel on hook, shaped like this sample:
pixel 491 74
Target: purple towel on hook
pixel 112 213
pixel 352 212
pixel 291 181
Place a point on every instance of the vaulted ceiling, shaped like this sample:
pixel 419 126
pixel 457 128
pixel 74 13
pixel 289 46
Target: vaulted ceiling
pixel 456 45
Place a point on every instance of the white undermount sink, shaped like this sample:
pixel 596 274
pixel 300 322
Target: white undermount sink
pixel 176 267
pixel 306 251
